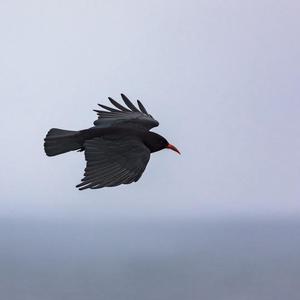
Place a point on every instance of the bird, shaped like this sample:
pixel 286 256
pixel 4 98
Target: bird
pixel 117 148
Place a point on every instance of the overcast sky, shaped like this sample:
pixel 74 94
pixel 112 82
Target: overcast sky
pixel 222 78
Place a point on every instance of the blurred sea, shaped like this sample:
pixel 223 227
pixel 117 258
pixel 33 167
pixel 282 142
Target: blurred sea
pixel 150 260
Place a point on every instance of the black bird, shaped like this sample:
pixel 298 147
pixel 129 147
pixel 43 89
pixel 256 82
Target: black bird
pixel 117 148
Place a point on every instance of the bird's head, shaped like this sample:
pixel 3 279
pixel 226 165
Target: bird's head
pixel 156 142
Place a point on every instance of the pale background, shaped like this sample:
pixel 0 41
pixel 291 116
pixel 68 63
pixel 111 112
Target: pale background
pixel 222 77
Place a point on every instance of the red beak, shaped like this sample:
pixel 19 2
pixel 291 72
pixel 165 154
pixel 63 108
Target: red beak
pixel 169 146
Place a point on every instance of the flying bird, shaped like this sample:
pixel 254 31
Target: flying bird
pixel 117 148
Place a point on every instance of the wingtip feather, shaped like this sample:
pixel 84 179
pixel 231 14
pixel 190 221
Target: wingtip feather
pixel 142 107
pixel 129 103
pixel 117 105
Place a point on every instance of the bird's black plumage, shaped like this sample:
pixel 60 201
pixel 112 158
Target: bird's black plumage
pixel 117 148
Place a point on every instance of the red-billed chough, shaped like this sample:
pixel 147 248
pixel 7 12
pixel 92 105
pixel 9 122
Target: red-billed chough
pixel 117 148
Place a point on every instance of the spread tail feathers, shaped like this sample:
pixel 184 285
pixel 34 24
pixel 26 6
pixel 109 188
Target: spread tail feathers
pixel 58 141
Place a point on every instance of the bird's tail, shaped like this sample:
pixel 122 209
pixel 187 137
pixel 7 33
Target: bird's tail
pixel 58 141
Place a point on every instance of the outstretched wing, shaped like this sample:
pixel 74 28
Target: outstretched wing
pixel 112 161
pixel 122 116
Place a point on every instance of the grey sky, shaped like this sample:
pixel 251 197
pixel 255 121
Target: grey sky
pixel 222 77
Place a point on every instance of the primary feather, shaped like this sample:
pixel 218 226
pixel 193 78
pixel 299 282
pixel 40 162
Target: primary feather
pixel 130 117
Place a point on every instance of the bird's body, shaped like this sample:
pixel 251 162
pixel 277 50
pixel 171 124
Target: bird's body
pixel 117 149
